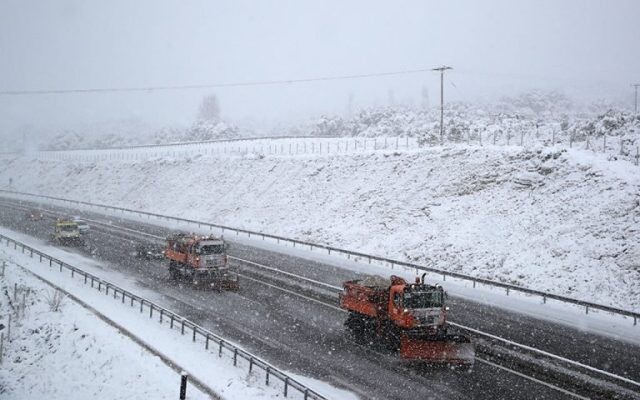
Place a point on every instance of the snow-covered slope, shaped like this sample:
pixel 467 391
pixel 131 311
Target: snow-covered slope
pixel 70 353
pixel 567 222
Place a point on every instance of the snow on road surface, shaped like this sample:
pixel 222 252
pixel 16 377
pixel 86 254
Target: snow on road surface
pixel 70 353
pixel 545 218
pixel 218 373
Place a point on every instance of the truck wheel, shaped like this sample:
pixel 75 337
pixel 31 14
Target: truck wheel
pixel 356 325
pixel 391 336
pixel 442 333
pixel 173 273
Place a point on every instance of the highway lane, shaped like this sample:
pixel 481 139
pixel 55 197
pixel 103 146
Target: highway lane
pixel 335 276
pixel 297 334
pixel 601 352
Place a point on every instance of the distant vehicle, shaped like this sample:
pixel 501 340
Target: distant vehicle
pixel 67 232
pixel 408 318
pixel 34 215
pixel 202 260
pixel 82 225
pixel 147 251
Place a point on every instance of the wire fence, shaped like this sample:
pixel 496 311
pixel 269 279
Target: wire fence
pixel 614 146
pixel 349 254
pixel 211 342
pixel 258 147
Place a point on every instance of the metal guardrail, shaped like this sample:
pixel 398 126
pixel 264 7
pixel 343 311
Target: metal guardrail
pixel 177 321
pixel 188 143
pixel 538 353
pixel 349 254
pixel 272 145
pixel 170 144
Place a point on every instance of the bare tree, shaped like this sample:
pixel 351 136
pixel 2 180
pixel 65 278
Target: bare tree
pixel 209 109
pixel 350 105
pixel 425 97
pixel 54 299
pixel 391 96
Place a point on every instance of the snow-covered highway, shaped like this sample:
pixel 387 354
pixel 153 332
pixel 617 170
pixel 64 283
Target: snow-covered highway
pixel 308 337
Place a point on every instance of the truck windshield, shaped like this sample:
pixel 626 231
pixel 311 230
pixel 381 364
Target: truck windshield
pixel 423 299
pixel 212 249
pixel 68 228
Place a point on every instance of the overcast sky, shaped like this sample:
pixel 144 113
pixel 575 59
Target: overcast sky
pixel 497 48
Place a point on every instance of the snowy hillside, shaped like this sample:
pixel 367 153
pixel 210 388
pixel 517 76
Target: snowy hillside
pixel 547 218
pixel 135 133
pixel 126 132
pixel 513 122
pixel 527 119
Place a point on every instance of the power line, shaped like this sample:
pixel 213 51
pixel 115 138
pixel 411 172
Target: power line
pixel 207 86
pixel 536 77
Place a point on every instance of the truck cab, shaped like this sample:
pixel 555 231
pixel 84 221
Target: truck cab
pixel 419 307
pixel 210 254
pixel 67 232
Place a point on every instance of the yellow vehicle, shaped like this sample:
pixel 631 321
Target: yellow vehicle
pixel 67 232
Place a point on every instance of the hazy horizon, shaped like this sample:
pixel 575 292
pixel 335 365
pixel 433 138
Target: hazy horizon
pixel 497 49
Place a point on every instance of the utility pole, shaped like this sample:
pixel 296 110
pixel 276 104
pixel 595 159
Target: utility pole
pixel 442 69
pixel 635 85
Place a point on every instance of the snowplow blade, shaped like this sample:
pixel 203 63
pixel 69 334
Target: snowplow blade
pixel 220 283
pixel 227 285
pixel 451 349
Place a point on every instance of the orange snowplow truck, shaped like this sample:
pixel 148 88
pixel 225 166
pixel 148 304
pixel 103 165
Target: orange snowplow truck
pixel 202 260
pixel 409 318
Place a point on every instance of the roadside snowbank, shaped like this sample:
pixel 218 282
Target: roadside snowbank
pixel 566 222
pixel 72 354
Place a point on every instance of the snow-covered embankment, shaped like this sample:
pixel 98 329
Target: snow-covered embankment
pixel 567 222
pixel 60 350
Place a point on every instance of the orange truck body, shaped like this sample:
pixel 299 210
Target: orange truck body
pixel 183 257
pixel 201 259
pixel 409 318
